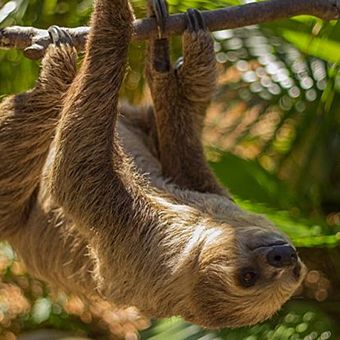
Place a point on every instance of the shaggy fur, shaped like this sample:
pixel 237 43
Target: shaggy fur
pixel 125 206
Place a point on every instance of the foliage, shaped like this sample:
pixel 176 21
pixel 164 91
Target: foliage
pixel 295 321
pixel 272 137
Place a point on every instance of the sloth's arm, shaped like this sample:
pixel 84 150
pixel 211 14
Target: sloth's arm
pixel 181 97
pixel 91 178
pixel 27 124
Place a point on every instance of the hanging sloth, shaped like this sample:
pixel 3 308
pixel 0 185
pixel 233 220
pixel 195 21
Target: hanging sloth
pixel 102 198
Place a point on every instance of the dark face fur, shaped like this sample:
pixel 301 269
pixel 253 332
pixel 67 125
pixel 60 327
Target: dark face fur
pixel 245 281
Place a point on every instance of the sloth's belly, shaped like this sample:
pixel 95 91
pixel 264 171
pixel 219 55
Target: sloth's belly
pixel 136 144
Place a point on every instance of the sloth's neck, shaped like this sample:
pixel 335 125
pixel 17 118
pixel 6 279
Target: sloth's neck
pixel 166 255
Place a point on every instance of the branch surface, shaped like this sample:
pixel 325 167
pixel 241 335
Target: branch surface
pixel 34 41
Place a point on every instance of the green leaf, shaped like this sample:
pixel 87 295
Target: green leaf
pixel 328 50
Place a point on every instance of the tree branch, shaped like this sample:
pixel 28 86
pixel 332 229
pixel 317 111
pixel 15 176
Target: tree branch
pixel 34 41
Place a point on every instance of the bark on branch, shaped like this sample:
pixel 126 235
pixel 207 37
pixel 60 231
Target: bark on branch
pixel 34 41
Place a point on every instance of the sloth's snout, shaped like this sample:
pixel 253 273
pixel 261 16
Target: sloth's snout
pixel 282 256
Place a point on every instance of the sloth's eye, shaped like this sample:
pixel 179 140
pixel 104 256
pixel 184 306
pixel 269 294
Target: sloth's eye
pixel 248 277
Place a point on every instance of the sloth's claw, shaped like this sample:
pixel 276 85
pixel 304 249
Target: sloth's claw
pixel 195 20
pixel 59 36
pixel 179 63
pixel 160 9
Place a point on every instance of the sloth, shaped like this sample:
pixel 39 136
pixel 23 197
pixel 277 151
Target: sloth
pixel 104 199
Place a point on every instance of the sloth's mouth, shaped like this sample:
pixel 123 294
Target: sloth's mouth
pixel 297 271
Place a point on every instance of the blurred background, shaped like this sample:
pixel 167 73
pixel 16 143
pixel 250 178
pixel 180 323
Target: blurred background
pixel 273 138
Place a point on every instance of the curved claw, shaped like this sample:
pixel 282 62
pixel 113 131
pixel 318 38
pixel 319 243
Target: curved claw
pixel 160 9
pixel 195 20
pixel 179 63
pixel 59 36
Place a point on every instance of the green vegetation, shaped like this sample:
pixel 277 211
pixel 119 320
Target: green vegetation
pixel 273 138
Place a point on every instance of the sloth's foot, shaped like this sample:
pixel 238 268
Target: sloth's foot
pixel 160 12
pixel 160 47
pixel 59 63
pixel 197 68
pixel 198 48
pixel 60 36
pixel 198 45
pixel 195 20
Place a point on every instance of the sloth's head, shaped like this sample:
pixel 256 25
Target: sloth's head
pixel 243 274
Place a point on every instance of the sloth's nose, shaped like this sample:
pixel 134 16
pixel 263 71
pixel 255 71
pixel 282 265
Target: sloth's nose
pixel 282 256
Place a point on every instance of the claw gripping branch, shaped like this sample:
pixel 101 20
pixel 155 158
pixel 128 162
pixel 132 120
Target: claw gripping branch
pixel 34 41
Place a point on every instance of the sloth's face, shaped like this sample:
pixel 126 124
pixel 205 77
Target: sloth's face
pixel 245 281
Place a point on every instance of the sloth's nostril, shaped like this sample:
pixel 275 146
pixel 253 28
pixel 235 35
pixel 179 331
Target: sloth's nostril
pixel 282 256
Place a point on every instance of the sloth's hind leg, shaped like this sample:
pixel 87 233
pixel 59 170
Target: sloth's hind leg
pixel 181 96
pixel 27 125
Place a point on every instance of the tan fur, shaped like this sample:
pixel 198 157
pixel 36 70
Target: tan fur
pixel 126 206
